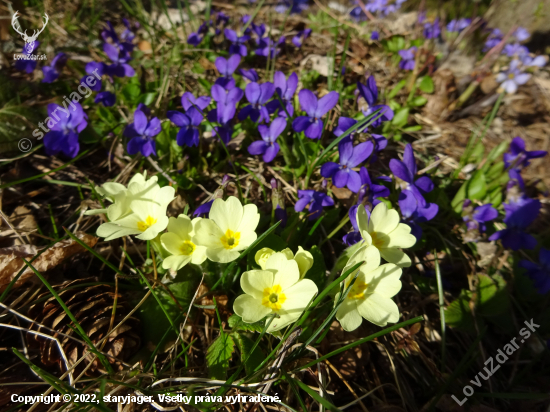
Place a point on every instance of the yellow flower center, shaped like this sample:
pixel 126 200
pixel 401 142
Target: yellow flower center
pixel 358 290
pixel 511 76
pixel 377 240
pixel 187 247
pixel 273 298
pixel 230 239
pixel 144 225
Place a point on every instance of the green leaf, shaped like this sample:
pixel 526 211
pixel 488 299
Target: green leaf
pixel 414 128
pixel 251 359
pixel 426 84
pixel 131 92
pixel 458 200
pixel 458 314
pixel 153 320
pixel 105 115
pixel 495 171
pixel 401 116
pixel 218 356
pixel 477 153
pixel 235 322
pixel 492 295
pixel 418 101
pixel 477 187
pixel 147 98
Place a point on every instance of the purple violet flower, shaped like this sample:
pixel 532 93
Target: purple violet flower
pixel 432 30
pixel 268 47
pixel 407 58
pixel 517 157
pixel 369 92
pixel 227 67
pixel 27 66
pixel 515 50
pixel 357 14
pixel 476 219
pixel 300 37
pixel 108 99
pixel 521 34
pixel 251 75
pixel 512 78
pixel 141 133
pixel 519 215
pixel 257 95
pixel 64 130
pixel 268 146
pixel 414 207
pixel 316 201
pixel 495 37
pixel 120 59
pixel 458 25
pixel 189 100
pixel 52 71
pixel 341 173
pixel 237 42
pixel 375 35
pixel 370 191
pixel 204 209
pixel 353 237
pixel 539 274
pixel 312 125
pixel 90 69
pixel 537 61
pixel 285 89
pixel 295 6
pixel 188 123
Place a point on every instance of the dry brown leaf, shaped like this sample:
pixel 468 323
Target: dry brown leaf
pixel 11 258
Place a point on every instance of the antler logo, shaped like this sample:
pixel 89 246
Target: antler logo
pixel 29 40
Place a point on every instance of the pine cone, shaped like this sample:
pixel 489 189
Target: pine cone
pixel 92 306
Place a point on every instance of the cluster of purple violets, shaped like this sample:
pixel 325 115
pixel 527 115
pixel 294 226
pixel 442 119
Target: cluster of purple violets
pixel 520 212
pixel 380 7
pixel 515 74
pixel 264 45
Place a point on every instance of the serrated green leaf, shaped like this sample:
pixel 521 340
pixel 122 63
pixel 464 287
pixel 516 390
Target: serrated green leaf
pixel 251 359
pixel 235 322
pixel 426 84
pixel 218 356
pixel 477 187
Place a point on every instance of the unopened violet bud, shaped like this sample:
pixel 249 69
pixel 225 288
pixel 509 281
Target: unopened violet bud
pixel 226 179
pixel 467 203
pixel 274 183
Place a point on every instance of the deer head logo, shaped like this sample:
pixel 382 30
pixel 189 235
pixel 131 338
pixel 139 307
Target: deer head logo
pixel 29 40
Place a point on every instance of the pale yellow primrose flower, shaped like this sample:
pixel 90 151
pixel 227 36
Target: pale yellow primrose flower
pixel 138 189
pixel 147 218
pixel 384 231
pixel 178 241
pixel 229 229
pixel 303 258
pixel 277 289
pixel 370 295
